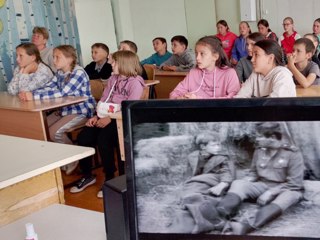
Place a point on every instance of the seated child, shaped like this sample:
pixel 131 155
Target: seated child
pixel 99 68
pixel 316 56
pixel 212 78
pixel 227 37
pixel 269 77
pixel 212 171
pixel 244 66
pixel 264 29
pixel 239 49
pixel 183 59
pixel 161 53
pixel 287 39
pixel 31 73
pixel 131 46
pixel 305 72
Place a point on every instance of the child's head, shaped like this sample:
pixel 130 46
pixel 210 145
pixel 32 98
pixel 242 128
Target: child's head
pixel 209 53
pixel 267 54
pixel 316 26
pixel 244 29
pixel 222 27
pixel 209 142
pixel 159 44
pixel 65 57
pixel 99 52
pixel 313 38
pixel 251 41
pixel 303 49
pixel 263 27
pixel 126 63
pixel 40 36
pixel 288 24
pixel 179 44
pixel 128 45
pixel 27 53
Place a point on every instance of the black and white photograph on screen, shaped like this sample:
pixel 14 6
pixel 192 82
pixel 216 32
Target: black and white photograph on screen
pixel 256 178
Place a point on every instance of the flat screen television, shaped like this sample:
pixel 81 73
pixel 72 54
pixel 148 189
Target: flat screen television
pixel 162 149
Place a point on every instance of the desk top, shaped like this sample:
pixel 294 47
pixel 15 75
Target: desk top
pixel 169 73
pixel 11 102
pixel 23 158
pixel 312 91
pixel 59 222
pixel 151 82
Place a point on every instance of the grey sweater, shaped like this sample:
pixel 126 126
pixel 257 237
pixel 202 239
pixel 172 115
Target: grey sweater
pixel 183 62
pixel 244 69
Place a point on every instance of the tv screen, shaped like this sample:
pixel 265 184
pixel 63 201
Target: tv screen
pixel 223 169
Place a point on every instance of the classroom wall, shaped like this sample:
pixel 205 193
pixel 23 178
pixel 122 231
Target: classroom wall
pixel 96 24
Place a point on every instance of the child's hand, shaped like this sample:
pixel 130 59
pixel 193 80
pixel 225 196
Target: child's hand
pixel 31 68
pixel 190 96
pixel 265 198
pixel 103 122
pixel 169 68
pixel 218 189
pixel 25 96
pixel 92 121
pixel 291 59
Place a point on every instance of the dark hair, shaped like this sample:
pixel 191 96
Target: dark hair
pixel 314 37
pixel 31 50
pixel 131 44
pixel 69 52
pixel 245 22
pixel 181 39
pixel 307 43
pixel 272 47
pixel 224 23
pixel 215 46
pixel 317 20
pixel 41 30
pixel 265 23
pixel 256 36
pixel 161 39
pixel 101 45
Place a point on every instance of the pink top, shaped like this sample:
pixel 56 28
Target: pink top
pixel 125 88
pixel 227 40
pixel 219 83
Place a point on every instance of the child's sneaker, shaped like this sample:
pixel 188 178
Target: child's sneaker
pixel 83 183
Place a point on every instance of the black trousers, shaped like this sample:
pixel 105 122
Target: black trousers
pixel 106 139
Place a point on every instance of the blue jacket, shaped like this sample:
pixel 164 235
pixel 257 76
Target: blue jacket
pixel 239 49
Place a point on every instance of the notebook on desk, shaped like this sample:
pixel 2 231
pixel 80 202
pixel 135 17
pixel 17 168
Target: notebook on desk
pixel 161 136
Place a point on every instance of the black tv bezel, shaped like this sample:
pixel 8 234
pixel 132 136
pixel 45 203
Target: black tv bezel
pixel 222 110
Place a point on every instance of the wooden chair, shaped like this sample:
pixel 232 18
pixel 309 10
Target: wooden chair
pixel 150 69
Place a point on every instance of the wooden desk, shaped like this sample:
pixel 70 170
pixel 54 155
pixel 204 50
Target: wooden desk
pixel 28 179
pixel 312 91
pixel 59 222
pixel 28 119
pixel 168 81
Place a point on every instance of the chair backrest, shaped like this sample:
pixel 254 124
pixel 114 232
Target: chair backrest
pixel 97 88
pixel 149 70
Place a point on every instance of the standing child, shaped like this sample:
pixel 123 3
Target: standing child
pixel 212 78
pixel 239 49
pixel 182 59
pixel 264 29
pixel 31 73
pixel 70 80
pixel 269 77
pixel 161 53
pixel 286 41
pixel 244 66
pixel 124 84
pixel 305 72
pixel 99 68
pixel 226 36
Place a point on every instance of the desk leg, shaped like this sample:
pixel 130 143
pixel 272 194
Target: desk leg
pixel 120 137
